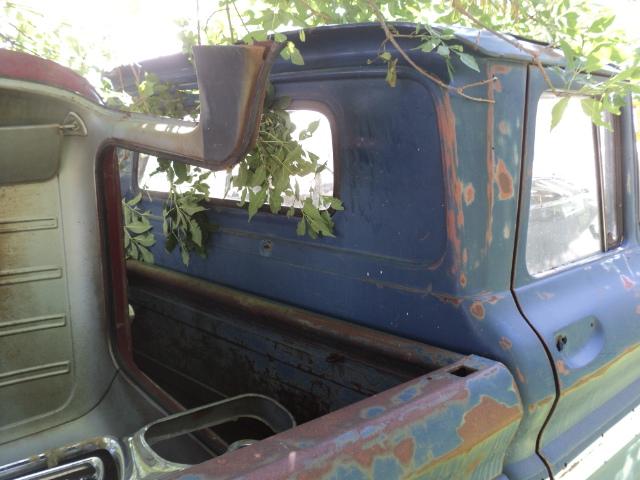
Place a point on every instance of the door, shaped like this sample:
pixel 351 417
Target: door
pixel 576 275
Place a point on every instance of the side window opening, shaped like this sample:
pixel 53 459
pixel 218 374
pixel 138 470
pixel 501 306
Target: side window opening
pixel 574 204
pixel 320 143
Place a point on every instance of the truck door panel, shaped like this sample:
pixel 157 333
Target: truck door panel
pixel 584 301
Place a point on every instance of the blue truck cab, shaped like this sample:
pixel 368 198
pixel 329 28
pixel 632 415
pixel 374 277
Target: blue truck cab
pixel 475 316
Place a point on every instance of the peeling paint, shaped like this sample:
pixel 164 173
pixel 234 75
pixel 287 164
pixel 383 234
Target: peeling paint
pixel 469 194
pixel 504 180
pixel 504 128
pixel 505 343
pixel 562 368
pixel 627 283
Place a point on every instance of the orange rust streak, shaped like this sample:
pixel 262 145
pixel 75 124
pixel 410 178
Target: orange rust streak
pixel 521 376
pixel 445 298
pixel 463 280
pixel 453 187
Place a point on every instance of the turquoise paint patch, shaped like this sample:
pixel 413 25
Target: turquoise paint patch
pixel 386 469
pixel 373 412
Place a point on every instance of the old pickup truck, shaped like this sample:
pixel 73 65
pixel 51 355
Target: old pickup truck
pixel 477 315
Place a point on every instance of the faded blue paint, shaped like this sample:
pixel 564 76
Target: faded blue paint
pixel 373 412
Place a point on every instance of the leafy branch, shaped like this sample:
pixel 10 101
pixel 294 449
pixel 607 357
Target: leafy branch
pixel 138 235
pixel 430 42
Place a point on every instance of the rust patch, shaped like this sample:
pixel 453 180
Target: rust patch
pixel 627 283
pixel 489 415
pixel 469 194
pixel 446 298
pixel 562 368
pixel 504 180
pixel 460 218
pixel 505 343
pixel 520 376
pixel 404 451
pixel 465 256
pixel 366 456
pixel 477 310
pixel 463 280
pixel 504 128
pixel 453 186
pixel 493 299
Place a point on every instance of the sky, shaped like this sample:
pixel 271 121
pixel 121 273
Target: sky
pixel 136 30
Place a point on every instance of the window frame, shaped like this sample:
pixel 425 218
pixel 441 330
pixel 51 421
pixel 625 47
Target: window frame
pixel 214 202
pixel 605 246
pixel 617 183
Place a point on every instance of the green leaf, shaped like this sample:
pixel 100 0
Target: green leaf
pixel 146 240
pixel 558 111
pixel 296 56
pixel 259 176
pixel 336 203
pixel 184 253
pixel 192 209
pixel 196 233
pixel 469 61
pixel 182 171
pixel 302 227
pixel 139 227
pixel 392 74
pixel 146 255
pixel 443 51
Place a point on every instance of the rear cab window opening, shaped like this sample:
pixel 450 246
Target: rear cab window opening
pixel 320 144
pixel 574 205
